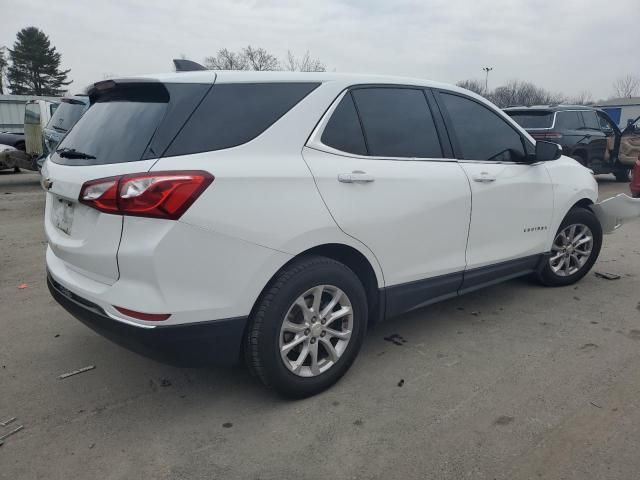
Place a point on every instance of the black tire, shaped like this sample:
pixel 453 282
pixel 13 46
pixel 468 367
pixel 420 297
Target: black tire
pixel 575 216
pixel 16 169
pixel 623 175
pixel 262 346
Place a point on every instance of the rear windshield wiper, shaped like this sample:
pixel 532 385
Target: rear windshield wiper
pixel 73 153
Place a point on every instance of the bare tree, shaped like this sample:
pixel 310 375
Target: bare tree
pixel 519 93
pixel 627 86
pixel 476 86
pixel 583 98
pixel 226 60
pixel 260 59
pixel 303 64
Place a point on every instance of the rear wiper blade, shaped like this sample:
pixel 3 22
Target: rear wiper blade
pixel 73 153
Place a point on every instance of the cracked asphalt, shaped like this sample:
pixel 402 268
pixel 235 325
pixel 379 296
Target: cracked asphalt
pixel 516 381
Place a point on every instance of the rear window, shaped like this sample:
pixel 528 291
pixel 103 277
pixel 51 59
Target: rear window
pixel 66 116
pixel 235 113
pixel 32 114
pixel 129 122
pixel 532 119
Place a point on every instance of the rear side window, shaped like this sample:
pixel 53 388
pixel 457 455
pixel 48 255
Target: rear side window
pixel 397 122
pixel 568 121
pixel 235 113
pixel 343 131
pixel 481 133
pixel 590 120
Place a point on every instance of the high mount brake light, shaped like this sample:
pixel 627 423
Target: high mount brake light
pixel 152 194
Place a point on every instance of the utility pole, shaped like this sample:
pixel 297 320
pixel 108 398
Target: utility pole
pixel 486 81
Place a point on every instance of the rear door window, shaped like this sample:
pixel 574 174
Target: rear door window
pixel 568 121
pixel 481 133
pixel 590 120
pixel 397 122
pixel 343 130
pixel 235 113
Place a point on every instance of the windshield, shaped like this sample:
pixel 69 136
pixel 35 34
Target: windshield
pixel 66 116
pixel 532 119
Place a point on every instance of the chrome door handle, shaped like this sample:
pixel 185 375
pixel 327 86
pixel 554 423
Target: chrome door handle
pixel 357 176
pixel 484 177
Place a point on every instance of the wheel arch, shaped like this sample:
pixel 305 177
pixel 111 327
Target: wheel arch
pixel 357 262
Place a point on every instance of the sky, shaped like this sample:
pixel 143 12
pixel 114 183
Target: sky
pixel 566 46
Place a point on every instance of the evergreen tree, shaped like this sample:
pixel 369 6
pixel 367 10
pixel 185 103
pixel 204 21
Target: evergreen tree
pixel 35 65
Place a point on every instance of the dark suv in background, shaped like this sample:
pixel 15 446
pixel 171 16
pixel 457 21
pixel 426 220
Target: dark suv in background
pixel 587 134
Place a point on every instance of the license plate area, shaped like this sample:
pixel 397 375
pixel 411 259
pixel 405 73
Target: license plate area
pixel 62 215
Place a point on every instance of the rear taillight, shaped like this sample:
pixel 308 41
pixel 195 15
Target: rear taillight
pixel 153 194
pixel 546 135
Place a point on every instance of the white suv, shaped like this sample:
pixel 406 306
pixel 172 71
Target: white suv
pixel 202 217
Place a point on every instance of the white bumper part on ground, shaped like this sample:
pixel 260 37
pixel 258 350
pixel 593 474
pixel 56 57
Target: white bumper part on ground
pixel 615 211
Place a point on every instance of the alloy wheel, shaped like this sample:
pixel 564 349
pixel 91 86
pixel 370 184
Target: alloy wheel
pixel 316 330
pixel 571 249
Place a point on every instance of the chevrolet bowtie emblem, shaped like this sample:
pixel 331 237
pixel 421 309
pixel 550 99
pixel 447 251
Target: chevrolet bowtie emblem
pixel 47 183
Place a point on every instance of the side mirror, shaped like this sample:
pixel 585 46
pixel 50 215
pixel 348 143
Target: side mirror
pixel 546 151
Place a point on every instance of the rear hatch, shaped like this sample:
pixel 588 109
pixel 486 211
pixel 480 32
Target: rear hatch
pixel 128 126
pixel 538 123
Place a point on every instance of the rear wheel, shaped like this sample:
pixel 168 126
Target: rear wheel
pixel 623 175
pixel 16 169
pixel 307 327
pixel 575 249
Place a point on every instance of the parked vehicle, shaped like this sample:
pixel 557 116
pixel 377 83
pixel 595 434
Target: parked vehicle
pixel 36 115
pixel 635 180
pixel 66 115
pixel 199 217
pixel 586 134
pixel 12 110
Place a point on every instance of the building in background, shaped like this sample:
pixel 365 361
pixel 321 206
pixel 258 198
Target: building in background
pixel 622 110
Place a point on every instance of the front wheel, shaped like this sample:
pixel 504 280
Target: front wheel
pixel 575 249
pixel 307 327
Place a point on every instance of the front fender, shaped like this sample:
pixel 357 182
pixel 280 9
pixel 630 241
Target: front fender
pixel 615 211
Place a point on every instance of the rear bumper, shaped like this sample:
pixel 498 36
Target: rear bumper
pixel 189 345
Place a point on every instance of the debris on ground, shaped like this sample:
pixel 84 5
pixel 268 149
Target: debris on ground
pixel 395 339
pixel 595 404
pixel 7 435
pixel 22 286
pixel 227 425
pixel 401 382
pixel 607 275
pixel 503 420
pixel 475 314
pixel 76 372
pixel 165 382
pixel 4 423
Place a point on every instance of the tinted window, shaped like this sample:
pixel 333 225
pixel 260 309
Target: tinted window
pixel 482 134
pixel 568 121
pixel 235 113
pixel 590 120
pixel 118 126
pixel 532 119
pixel 397 122
pixel 66 116
pixel 343 130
